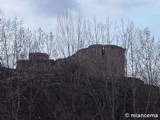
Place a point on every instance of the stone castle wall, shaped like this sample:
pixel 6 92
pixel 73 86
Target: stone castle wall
pixel 38 62
pixel 38 56
pixel 103 59
pixel 95 60
pixel 114 59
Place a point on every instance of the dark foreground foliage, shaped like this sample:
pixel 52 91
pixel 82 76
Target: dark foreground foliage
pixel 65 97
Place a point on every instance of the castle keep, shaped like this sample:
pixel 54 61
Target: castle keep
pixel 96 60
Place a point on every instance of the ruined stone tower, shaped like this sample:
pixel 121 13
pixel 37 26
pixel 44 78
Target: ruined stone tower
pixel 108 60
pixel 38 56
pixel 38 62
pixel 115 60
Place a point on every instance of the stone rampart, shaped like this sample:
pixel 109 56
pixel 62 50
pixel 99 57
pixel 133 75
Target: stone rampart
pixel 38 56
pixel 95 60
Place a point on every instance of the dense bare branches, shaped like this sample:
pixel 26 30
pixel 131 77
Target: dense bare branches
pixel 16 42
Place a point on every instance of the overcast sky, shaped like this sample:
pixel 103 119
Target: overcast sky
pixel 43 13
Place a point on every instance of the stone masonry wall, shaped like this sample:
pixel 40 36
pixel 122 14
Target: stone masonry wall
pixel 98 59
pixel 38 56
pixel 95 60
pixel 38 62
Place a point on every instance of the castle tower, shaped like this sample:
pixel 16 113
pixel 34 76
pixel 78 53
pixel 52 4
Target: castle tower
pixel 38 56
pixel 95 50
pixel 38 62
pixel 106 60
pixel 114 60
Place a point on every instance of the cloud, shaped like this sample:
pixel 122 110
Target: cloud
pixel 15 7
pixel 124 5
pixel 46 8
pixel 42 13
pixel 142 12
pixel 53 7
pixel 37 13
pixel 122 8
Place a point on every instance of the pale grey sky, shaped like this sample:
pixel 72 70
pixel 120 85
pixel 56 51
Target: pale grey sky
pixel 43 13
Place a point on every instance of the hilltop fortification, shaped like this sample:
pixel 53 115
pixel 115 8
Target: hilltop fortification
pixel 108 60
pixel 81 86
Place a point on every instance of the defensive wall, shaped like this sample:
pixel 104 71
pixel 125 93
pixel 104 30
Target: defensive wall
pixel 103 59
pixel 97 59
pixel 38 56
pixel 38 62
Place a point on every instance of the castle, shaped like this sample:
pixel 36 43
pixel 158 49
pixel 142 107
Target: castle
pixel 108 60
pixel 79 85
